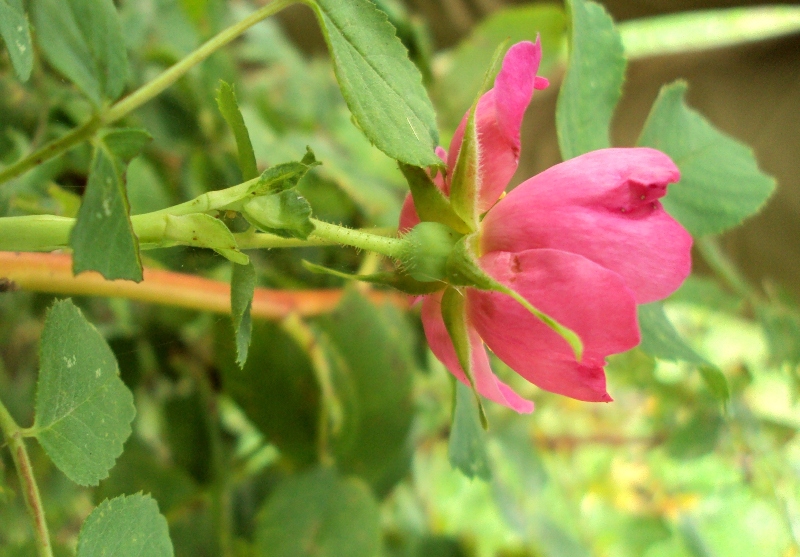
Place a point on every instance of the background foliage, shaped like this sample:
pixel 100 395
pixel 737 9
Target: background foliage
pixel 333 438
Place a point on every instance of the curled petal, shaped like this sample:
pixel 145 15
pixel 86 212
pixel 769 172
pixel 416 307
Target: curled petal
pixel 498 118
pixel 602 205
pixel 486 381
pixel 584 296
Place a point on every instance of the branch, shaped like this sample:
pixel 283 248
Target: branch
pixel 52 273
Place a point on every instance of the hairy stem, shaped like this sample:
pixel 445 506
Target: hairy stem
pixel 390 247
pixel 142 95
pixel 14 438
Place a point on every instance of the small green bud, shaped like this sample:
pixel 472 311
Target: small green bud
pixel 285 214
pixel 429 247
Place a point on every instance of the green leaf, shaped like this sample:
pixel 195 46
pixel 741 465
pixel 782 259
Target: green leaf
pixel 125 143
pixel 703 29
pixel 319 514
pixel 243 285
pixel 381 86
pixel 661 340
pixel 276 388
pixel 203 231
pixel 454 90
pixel 125 527
pixel 431 204
pixel 83 409
pixel 229 107
pixel 721 184
pixel 593 83
pixel 284 214
pixel 17 36
pixel 284 176
pixel 467 448
pixel 372 355
pixel 83 40
pixel 398 280
pixel 103 238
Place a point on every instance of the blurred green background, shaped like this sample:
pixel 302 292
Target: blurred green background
pixel 665 470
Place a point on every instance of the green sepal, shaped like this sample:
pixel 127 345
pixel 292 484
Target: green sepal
pixel 455 321
pixel 463 270
pixel 203 231
pixel 229 107
pixel 429 245
pixel 397 280
pixel 284 214
pixel 431 204
pixel 465 183
pixel 283 176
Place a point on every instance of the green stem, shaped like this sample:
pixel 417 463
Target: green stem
pixel 390 247
pixel 50 232
pixel 14 436
pixel 142 95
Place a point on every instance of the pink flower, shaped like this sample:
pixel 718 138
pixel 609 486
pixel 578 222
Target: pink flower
pixel 584 242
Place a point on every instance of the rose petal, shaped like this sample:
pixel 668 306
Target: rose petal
pixel 589 299
pixel 602 205
pixel 498 119
pixel 486 381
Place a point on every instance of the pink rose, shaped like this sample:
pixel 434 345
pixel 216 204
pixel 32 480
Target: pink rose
pixel 584 242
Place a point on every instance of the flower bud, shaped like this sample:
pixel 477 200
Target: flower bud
pixel 429 247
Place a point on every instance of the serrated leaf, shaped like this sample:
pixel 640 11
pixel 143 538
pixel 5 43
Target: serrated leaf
pixel 592 85
pixel 102 238
pixel 661 340
pixel 17 36
pixel 204 231
pixel 125 527
pixel 381 86
pixel 243 285
pixel 229 107
pixel 285 214
pixel 284 176
pixel 721 184
pixel 467 447
pixel 372 355
pixel 83 409
pixel 83 40
pixel 398 280
pixel 319 514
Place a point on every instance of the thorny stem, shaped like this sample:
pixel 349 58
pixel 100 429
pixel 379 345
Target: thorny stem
pixel 14 437
pixel 142 95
